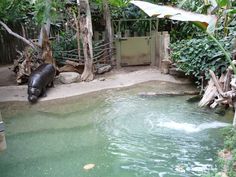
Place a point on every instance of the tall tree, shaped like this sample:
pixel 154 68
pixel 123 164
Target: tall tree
pixel 76 19
pixel 109 34
pixel 86 34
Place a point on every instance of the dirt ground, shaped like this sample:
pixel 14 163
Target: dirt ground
pixel 117 78
pixel 7 77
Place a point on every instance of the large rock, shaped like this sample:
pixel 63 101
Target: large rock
pixel 102 68
pixel 69 77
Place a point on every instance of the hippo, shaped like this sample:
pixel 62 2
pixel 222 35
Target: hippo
pixel 39 80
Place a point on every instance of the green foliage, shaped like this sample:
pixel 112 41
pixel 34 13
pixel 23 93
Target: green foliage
pixel 182 30
pixel 227 165
pixel 196 56
pixel 223 3
pixel 229 134
pixel 67 41
pixel 49 9
pixel 15 10
pixel 229 144
pixel 12 11
pixel 231 164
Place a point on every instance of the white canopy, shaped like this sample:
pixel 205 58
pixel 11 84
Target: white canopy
pixel 160 11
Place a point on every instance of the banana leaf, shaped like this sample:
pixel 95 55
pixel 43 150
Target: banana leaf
pixel 205 22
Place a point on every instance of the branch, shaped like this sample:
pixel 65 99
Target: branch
pixel 215 80
pixel 17 35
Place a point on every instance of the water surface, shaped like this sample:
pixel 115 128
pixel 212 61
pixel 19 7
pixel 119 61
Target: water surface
pixel 123 134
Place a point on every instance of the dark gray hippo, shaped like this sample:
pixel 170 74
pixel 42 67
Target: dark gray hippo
pixel 39 80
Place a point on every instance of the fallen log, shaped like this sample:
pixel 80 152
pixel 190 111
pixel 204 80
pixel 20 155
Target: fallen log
pixel 227 80
pixel 73 63
pixel 209 95
pixel 216 83
pixel 222 91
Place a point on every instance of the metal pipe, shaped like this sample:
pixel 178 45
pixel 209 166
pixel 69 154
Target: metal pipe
pixel 2 128
pixel 3 144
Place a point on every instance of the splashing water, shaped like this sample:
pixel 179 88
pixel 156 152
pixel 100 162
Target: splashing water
pixel 192 128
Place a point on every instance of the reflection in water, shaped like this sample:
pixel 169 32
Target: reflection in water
pixel 121 133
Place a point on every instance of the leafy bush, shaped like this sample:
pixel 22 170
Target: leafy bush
pixel 229 134
pixel 230 144
pixel 65 42
pixel 196 56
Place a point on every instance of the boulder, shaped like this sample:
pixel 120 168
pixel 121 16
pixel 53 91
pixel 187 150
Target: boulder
pixel 102 68
pixel 69 77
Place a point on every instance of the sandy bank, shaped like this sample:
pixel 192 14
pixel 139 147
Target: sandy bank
pixel 116 79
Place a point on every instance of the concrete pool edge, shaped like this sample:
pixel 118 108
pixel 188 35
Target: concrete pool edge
pixel 120 80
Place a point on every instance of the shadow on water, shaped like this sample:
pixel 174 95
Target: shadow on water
pixel 122 133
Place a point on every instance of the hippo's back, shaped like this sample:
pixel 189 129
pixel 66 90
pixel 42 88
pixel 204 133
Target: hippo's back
pixel 42 76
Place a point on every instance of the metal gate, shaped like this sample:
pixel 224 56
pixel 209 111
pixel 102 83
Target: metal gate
pixel 135 51
pixel 133 48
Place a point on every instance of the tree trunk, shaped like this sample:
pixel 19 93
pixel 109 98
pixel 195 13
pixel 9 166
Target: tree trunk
pixel 86 33
pixel 109 35
pixel 47 25
pixel 76 19
pixel 44 27
pixel 46 54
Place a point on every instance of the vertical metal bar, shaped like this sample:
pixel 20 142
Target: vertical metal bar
pixel 150 23
pixel 157 24
pixel 119 26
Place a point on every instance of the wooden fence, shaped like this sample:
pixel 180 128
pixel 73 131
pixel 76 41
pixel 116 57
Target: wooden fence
pixel 101 54
pixel 9 44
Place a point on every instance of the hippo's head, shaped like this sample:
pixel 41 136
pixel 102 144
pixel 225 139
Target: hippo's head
pixel 33 94
pixel 32 98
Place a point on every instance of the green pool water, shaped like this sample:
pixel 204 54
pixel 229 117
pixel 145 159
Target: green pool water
pixel 123 134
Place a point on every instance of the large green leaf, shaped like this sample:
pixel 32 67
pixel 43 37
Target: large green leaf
pixel 206 22
pixel 231 11
pixel 222 3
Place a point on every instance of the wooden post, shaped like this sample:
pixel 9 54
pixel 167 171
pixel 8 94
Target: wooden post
pixel 3 144
pixel 158 49
pixel 127 33
pixel 157 24
pixel 165 58
pixel 96 35
pixel 103 35
pixel 166 43
pixel 118 34
pixel 118 54
pixel 153 48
